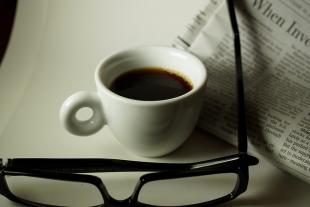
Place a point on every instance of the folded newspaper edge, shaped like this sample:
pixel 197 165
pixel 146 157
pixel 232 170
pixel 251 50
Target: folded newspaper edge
pixel 275 41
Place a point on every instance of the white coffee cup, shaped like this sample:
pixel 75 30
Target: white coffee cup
pixel 148 128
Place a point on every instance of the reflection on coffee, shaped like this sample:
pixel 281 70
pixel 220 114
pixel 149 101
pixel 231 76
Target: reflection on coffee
pixel 150 84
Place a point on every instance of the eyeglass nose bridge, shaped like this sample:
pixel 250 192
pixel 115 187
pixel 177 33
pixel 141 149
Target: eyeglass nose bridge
pixel 110 201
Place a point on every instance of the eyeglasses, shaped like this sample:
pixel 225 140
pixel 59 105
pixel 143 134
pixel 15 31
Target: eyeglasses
pixel 46 182
pixel 62 182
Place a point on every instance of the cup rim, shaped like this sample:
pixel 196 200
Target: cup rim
pixel 103 87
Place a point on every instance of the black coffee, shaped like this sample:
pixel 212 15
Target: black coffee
pixel 150 84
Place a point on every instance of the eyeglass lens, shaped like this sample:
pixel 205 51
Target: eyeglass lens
pixel 54 192
pixel 166 192
pixel 187 191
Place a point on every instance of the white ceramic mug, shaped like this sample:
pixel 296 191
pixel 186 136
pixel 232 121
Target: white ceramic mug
pixel 148 128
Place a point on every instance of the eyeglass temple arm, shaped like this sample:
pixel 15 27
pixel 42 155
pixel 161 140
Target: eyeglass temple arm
pixel 242 130
pixel 88 165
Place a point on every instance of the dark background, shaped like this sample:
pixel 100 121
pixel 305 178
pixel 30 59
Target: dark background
pixel 7 14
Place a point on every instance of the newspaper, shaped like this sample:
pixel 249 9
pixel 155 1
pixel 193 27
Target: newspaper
pixel 275 39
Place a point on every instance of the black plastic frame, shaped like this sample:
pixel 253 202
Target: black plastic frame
pixel 70 169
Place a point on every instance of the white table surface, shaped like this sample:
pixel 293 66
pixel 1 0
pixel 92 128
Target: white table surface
pixel 53 51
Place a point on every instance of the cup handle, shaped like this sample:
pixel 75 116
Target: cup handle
pixel 70 107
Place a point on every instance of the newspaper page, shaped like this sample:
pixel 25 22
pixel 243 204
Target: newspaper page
pixel 275 39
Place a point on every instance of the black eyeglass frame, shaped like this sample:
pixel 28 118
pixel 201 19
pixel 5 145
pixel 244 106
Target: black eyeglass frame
pixel 70 169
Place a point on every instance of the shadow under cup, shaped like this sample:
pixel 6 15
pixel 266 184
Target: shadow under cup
pixel 151 128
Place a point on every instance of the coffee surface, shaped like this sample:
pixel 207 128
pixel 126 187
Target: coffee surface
pixel 150 84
